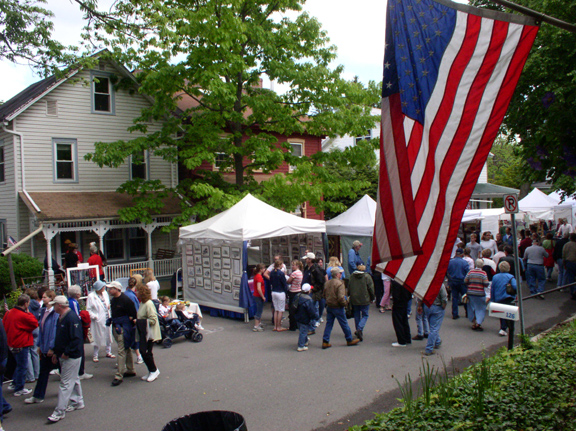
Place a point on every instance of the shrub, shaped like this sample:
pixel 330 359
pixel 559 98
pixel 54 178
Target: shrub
pixel 24 266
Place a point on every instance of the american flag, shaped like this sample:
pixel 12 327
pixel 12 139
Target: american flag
pixel 450 71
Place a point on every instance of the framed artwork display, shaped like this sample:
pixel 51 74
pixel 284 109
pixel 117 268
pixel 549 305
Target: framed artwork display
pixel 190 260
pixel 216 276
pixel 191 271
pixel 198 271
pixel 235 252
pixel 283 240
pixel 189 249
pixel 197 248
pixel 217 263
pixel 294 239
pixel 236 294
pixel 227 286
pixel 192 283
pixel 236 267
pixel 207 284
pixel 226 263
pixel 197 259
pixel 206 262
pixel 225 274
pixel 284 252
pixel 206 272
pixel 216 252
pixel 205 250
pixel 199 282
pixel 275 241
pixel 236 281
pixel 225 251
pixel 217 287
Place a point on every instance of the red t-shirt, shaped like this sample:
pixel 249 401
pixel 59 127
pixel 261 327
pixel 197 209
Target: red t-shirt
pixel 95 260
pixel 258 279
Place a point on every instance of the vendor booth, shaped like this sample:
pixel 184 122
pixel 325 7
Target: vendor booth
pixel 565 209
pixel 355 224
pixel 215 251
pixel 538 205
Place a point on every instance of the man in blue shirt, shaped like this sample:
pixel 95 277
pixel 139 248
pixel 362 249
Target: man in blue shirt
pixel 456 273
pixel 354 258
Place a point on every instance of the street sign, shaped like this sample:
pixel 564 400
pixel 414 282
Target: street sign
pixel 510 204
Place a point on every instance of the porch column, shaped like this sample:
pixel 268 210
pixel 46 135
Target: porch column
pixel 149 228
pixel 100 228
pixel 50 232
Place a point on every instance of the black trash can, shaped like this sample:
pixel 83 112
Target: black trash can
pixel 216 420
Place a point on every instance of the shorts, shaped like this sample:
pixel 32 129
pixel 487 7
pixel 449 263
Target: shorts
pixel 259 307
pixel 279 301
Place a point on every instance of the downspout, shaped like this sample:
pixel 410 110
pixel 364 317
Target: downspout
pixel 22 166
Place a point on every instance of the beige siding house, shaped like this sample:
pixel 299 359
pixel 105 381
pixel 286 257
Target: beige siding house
pixel 47 129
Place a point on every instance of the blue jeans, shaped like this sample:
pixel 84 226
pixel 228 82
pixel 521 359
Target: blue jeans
pixel 360 316
pixel 458 289
pixel 422 324
pixel 435 316
pixel 19 378
pixel 570 275
pixel 410 307
pixel 535 274
pixel 259 307
pixel 340 315
pixel 34 360
pixel 45 367
pixel 303 335
pixel 4 405
pixel 560 281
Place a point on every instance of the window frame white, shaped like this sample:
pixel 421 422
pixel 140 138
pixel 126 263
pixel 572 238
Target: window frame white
pixel 293 142
pixel 74 152
pixel 111 93
pixel 146 163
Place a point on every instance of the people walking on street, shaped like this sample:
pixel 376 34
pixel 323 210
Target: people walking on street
pixel 569 260
pixel 68 350
pixel 548 245
pixel 148 331
pixel 335 295
pixel 279 289
pixel 74 294
pixel 535 276
pixel 294 287
pixel 385 302
pixel 259 296
pixel 488 242
pixel 558 258
pixel 304 313
pixel 422 324
pixel 354 258
pixel 4 405
pixel 474 246
pixel 123 320
pixel 98 305
pixel 401 296
pixel 499 292
pixel 435 316
pixel 456 273
pixel 478 295
pixel 361 290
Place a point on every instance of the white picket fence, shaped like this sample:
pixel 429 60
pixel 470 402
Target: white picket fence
pixel 162 268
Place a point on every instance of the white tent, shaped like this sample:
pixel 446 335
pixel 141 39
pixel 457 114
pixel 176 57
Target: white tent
pixel 358 220
pixel 566 209
pixel 251 219
pixel 538 205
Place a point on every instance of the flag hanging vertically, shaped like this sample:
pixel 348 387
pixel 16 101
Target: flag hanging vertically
pixel 450 71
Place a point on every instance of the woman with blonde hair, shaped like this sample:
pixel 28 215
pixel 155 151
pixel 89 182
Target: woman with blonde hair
pixel 148 330
pixel 333 263
pixel 152 283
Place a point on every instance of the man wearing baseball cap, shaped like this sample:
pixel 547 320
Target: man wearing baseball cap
pixel 68 350
pixel 305 313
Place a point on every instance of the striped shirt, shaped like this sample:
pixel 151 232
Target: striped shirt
pixel 296 284
pixel 477 282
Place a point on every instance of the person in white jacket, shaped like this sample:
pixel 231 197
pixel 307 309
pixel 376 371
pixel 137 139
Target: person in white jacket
pixel 98 305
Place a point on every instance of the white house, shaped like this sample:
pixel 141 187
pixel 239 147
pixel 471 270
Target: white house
pixel 46 183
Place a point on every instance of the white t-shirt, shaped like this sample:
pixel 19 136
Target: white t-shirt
pixel 154 287
pixel 565 228
pixel 491 245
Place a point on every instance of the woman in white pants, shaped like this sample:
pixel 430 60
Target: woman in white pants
pixel 98 305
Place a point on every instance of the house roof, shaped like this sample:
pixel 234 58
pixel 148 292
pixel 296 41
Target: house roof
pixel 60 206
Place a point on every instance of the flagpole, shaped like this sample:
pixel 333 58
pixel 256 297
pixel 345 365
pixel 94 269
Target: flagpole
pixel 537 15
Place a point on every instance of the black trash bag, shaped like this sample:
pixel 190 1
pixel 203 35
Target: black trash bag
pixel 216 420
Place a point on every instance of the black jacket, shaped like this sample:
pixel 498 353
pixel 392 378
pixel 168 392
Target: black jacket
pixel 400 294
pixel 69 336
pixel 306 310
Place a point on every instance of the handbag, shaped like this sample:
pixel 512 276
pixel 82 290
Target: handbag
pixel 464 299
pixel 349 311
pixel 510 290
pixel 89 337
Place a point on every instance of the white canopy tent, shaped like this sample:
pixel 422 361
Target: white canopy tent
pixel 566 209
pixel 538 205
pixel 358 220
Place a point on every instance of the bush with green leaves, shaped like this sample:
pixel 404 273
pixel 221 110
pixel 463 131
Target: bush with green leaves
pixel 24 265
pixel 521 389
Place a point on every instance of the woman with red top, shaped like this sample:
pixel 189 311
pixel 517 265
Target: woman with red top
pixel 95 259
pixel 259 296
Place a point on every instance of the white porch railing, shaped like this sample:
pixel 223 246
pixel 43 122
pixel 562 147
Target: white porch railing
pixel 162 268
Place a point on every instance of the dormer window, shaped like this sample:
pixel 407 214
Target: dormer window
pixel 102 94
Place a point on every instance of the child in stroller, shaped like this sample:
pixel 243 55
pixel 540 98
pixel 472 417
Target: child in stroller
pixel 183 325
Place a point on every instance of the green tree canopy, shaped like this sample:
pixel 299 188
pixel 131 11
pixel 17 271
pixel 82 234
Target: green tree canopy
pixel 214 54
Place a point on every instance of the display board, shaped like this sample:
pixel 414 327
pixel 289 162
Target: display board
pixel 290 247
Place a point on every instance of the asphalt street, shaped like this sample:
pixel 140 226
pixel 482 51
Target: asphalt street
pixel 264 378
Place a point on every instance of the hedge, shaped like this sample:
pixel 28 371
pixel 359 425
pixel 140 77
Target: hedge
pixel 532 387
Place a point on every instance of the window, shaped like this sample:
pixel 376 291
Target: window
pixel 102 94
pixel 2 174
pixel 129 243
pixel 364 138
pixel 3 236
pixel 114 244
pixel 65 160
pixel 139 166
pixel 297 150
pixel 221 160
pixel 136 242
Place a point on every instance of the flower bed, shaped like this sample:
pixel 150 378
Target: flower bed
pixel 532 387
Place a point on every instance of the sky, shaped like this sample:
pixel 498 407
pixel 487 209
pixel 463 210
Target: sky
pixel 356 28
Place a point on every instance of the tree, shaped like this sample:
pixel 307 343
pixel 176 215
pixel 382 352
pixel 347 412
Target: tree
pixel 215 53
pixel 541 114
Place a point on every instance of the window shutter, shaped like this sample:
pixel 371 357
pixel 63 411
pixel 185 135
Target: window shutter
pixel 52 108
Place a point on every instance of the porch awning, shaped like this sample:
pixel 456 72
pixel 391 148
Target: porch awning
pixel 487 190
pixel 59 206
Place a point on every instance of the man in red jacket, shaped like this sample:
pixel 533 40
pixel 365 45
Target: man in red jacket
pixel 19 324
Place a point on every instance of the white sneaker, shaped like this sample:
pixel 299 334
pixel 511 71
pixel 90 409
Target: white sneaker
pixel 321 320
pixel 55 417
pixel 55 372
pixel 302 349
pixel 153 376
pixel 502 333
pixel 72 407
pixel 398 345
pixel 139 360
pixel 145 378
pixel 21 392
pixel 86 376
pixel 11 386
pixel 257 329
pixel 33 400
pixel 317 324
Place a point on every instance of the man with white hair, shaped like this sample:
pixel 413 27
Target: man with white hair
pixel 68 350
pixel 354 258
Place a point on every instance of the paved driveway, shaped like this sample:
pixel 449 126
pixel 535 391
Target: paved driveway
pixel 262 377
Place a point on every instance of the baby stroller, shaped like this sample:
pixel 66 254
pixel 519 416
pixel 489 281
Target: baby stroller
pixel 181 326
